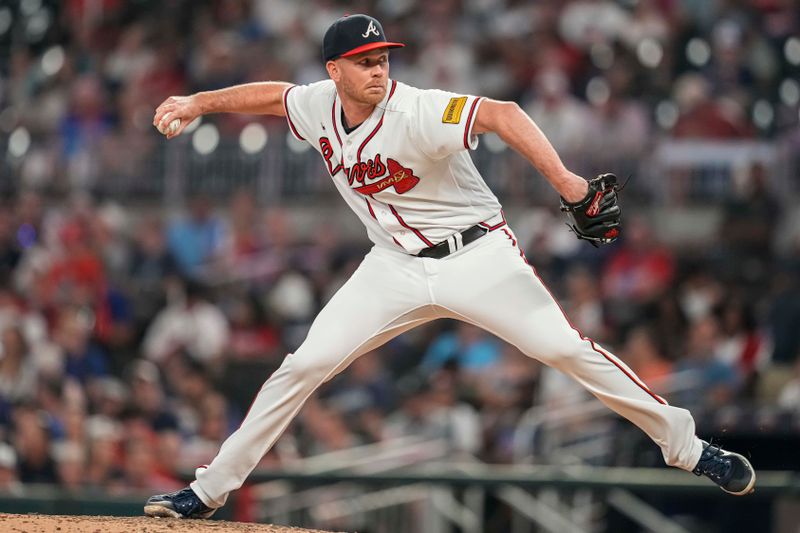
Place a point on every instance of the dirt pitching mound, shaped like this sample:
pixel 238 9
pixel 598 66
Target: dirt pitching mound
pixel 35 523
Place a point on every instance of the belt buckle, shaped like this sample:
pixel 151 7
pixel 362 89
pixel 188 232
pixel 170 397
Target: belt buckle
pixel 453 243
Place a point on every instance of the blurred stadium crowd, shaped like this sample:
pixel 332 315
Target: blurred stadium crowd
pixel 128 350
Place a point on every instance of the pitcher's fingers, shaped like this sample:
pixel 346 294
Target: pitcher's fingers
pixel 163 124
pixel 177 131
pixel 160 111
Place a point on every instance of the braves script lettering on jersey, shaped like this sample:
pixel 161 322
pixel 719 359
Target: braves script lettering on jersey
pixel 396 166
pixel 442 250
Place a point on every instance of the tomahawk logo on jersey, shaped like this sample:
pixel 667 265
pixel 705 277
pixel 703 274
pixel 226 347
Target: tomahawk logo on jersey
pixel 396 166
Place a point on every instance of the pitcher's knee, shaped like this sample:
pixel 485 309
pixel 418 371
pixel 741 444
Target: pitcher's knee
pixel 558 354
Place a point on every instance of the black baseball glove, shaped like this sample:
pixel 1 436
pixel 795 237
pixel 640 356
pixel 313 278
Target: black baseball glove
pixel 596 218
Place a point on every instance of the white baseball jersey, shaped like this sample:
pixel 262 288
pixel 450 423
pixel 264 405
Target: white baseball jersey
pixel 406 170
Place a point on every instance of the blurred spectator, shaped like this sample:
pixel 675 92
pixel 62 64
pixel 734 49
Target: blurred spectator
pixel 140 472
pixel 189 384
pixel 728 69
pixel 583 304
pixel 587 22
pixel 32 441
pixel 750 218
pixel 18 372
pixel 291 299
pixel 16 312
pixel 76 270
pixel 637 272
pixel 717 380
pixel 10 250
pixel 169 451
pixel 83 359
pixel 71 465
pixel 195 240
pixel 562 117
pixel 326 429
pixel 213 429
pixel 451 419
pixel 132 57
pixel 110 398
pixel 620 130
pixel 641 268
pixel 410 416
pixel 190 322
pixel 701 116
pixel 504 392
pixel 366 385
pixel 648 21
pixel 700 293
pixel 245 238
pixel 669 325
pixel 9 481
pixel 742 344
pixel 147 395
pixel 150 266
pixel 251 336
pixel 83 128
pixel 642 353
pixel 784 316
pixel 467 346
pixel 789 397
pixel 104 441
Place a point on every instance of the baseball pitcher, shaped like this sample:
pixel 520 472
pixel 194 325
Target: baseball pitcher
pixel 399 156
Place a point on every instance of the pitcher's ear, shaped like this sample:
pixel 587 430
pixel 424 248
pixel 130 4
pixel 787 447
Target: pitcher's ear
pixel 333 70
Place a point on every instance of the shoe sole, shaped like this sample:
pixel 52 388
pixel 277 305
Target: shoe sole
pixel 159 511
pixel 750 486
pixel 156 510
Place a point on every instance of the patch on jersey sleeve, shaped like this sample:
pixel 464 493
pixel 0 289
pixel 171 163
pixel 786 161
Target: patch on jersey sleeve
pixel 452 113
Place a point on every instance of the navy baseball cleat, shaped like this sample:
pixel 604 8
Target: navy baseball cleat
pixel 182 503
pixel 731 471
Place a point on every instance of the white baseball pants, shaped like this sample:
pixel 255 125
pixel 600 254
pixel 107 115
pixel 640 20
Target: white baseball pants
pixel 487 283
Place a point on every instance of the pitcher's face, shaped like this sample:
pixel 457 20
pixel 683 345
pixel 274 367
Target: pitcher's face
pixel 363 77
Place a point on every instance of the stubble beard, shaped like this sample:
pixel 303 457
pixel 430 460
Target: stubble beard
pixel 362 97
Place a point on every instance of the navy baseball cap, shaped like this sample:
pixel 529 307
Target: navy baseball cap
pixel 353 34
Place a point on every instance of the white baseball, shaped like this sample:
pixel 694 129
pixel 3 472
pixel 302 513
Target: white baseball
pixel 173 126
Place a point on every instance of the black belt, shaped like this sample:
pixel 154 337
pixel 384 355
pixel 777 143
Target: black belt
pixel 451 244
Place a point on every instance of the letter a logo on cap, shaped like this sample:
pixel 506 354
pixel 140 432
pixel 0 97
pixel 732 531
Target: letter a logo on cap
pixel 371 29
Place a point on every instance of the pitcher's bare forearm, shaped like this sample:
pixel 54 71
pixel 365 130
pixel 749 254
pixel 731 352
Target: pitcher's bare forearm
pixel 260 98
pixel 520 132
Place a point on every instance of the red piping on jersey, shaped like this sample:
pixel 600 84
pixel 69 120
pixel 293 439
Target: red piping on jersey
pixel 597 349
pixel 514 243
pixel 380 123
pixel 498 225
pixel 368 139
pixel 469 122
pixel 286 109
pixel 371 212
pixel 403 223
